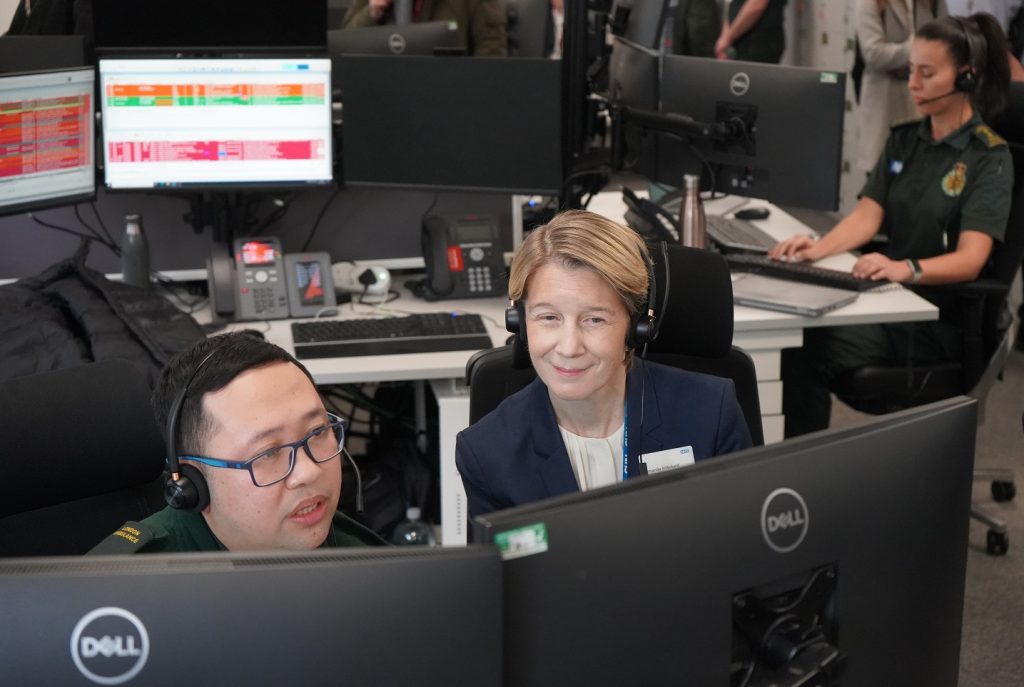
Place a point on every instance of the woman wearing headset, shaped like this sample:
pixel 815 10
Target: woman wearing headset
pixel 596 414
pixel 940 192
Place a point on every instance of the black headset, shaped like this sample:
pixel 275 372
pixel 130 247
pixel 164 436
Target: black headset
pixel 186 487
pixel 966 81
pixel 643 325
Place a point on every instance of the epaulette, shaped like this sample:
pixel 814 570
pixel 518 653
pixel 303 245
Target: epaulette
pixel 132 537
pixel 903 123
pixel 989 136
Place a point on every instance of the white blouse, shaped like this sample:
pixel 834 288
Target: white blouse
pixel 595 462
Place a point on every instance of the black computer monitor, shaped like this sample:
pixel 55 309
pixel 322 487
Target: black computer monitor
pixel 351 617
pixel 216 122
pixel 201 25
pixel 424 38
pixel 444 123
pixel 778 130
pixel 850 544
pixel 47 139
pixel 633 75
pixel 644 21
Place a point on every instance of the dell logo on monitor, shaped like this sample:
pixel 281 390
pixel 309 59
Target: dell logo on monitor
pixel 739 84
pixel 109 645
pixel 784 520
pixel 396 43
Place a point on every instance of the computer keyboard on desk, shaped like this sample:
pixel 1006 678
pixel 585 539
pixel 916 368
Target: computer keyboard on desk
pixel 422 333
pixel 738 234
pixel 801 271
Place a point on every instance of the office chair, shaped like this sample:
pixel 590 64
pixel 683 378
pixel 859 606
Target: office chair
pixel 695 334
pixel 988 338
pixel 81 454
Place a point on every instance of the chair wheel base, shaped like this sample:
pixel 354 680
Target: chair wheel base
pixel 1003 491
pixel 997 543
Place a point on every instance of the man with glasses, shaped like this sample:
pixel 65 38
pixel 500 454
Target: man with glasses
pixel 256 444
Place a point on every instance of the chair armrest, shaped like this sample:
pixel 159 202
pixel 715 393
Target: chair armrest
pixel 979 288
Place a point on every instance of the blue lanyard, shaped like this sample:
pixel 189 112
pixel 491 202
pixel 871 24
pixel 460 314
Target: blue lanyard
pixel 625 441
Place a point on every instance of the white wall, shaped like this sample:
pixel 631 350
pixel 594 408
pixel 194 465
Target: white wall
pixel 7 8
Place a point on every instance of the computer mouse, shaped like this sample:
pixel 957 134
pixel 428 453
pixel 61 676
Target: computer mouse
pixel 752 213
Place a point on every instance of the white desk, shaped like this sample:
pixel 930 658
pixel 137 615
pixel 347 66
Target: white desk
pixel 762 333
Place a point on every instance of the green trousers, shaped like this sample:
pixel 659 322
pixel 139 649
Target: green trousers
pixel 808 372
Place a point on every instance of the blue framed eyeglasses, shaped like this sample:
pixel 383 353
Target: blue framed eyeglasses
pixel 275 464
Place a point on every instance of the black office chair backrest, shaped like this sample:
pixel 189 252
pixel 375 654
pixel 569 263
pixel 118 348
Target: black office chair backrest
pixel 695 333
pixel 80 453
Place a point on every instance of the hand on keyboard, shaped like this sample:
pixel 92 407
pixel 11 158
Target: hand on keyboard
pixel 877 267
pixel 798 248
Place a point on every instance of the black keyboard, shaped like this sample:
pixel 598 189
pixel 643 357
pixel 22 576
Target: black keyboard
pixel 424 333
pixel 800 271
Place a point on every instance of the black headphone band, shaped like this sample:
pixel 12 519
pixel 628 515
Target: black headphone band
pixel 185 488
pixel 967 81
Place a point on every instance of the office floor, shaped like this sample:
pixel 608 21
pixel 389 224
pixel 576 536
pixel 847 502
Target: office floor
pixel 992 652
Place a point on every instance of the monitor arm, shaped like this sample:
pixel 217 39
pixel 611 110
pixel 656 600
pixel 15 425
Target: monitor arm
pixel 789 634
pixel 676 124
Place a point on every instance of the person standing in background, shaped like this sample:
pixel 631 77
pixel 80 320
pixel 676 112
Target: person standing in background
pixel 884 30
pixel 695 27
pixel 753 31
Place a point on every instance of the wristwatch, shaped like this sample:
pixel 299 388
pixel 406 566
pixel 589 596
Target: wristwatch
pixel 915 270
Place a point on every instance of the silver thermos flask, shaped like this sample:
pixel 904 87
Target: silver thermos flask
pixel 692 230
pixel 134 253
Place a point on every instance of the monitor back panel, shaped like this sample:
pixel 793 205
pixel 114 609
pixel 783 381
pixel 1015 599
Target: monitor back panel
pixel 637 580
pixel 355 617
pixel 485 124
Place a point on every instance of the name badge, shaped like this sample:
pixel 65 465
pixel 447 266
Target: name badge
pixel 669 459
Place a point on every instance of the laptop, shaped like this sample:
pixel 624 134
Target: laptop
pixel 809 300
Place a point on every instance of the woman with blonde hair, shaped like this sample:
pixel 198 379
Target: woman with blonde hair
pixel 596 414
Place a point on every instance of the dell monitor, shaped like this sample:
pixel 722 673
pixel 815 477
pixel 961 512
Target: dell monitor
pixel 777 130
pixel 46 139
pixel 215 123
pixel 837 558
pixel 427 617
pixel 443 123
pixel 633 75
pixel 426 38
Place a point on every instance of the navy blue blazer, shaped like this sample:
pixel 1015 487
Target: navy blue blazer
pixel 515 454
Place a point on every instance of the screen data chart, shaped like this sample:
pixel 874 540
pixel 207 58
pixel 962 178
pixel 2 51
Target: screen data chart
pixel 46 139
pixel 215 122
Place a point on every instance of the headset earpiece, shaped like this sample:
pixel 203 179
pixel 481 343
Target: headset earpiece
pixel 188 492
pixel 642 329
pixel 967 80
pixel 515 323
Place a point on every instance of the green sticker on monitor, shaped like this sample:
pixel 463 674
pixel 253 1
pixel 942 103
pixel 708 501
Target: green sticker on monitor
pixel 829 77
pixel 523 541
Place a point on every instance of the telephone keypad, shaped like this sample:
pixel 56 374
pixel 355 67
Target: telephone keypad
pixel 479 279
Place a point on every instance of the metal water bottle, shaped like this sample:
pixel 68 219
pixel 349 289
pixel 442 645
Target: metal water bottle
pixel 691 214
pixel 134 253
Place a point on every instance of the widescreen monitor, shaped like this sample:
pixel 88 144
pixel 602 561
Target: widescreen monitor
pixel 47 139
pixel 786 126
pixel 451 123
pixel 215 123
pixel 424 38
pixel 429 617
pixel 644 22
pixel 633 75
pixel 849 545
pixel 187 26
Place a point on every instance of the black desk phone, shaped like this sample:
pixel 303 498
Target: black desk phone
pixel 256 281
pixel 463 257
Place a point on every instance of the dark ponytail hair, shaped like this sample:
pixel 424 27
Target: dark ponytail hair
pixel 988 60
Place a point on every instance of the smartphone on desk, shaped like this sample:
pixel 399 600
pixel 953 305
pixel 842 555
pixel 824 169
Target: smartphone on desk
pixel 463 258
